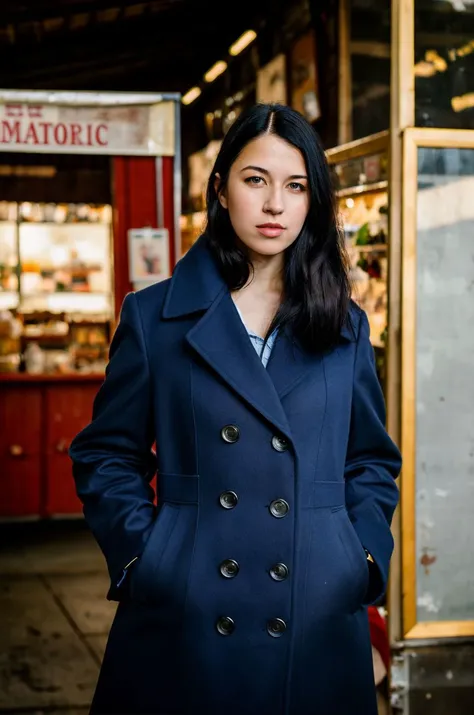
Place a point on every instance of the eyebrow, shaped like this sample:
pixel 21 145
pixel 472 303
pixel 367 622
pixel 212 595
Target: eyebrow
pixel 265 171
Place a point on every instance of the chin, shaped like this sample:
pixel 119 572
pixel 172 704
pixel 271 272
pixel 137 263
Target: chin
pixel 267 246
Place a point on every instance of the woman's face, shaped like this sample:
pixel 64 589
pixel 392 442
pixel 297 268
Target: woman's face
pixel 267 195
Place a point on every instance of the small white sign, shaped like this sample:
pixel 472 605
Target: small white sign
pixel 148 255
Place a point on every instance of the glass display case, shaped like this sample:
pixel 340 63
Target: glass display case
pixel 56 289
pixel 361 176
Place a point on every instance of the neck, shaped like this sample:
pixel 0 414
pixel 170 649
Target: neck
pixel 267 272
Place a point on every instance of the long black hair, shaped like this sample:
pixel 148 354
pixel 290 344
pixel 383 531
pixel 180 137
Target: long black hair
pixel 316 286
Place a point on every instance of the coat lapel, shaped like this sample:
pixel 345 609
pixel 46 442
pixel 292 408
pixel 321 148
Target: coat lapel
pixel 222 341
pixel 289 362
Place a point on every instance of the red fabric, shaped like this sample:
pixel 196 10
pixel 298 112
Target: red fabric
pixel 379 635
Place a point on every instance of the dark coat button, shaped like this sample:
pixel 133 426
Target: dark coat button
pixel 230 433
pixel 225 626
pixel 280 444
pixel 276 627
pixel 229 568
pixel 228 500
pixel 279 572
pixel 279 508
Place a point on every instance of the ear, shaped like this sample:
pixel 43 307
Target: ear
pixel 221 195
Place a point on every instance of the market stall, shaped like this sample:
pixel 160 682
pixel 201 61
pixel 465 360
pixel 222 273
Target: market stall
pixel 89 210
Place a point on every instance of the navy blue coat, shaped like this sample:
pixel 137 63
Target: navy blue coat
pixel 249 593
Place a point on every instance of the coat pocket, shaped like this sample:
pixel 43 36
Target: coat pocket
pixel 146 570
pixel 356 558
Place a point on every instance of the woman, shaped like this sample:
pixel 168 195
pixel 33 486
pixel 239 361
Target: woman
pixel 245 591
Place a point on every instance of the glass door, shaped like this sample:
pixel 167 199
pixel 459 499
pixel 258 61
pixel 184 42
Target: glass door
pixel 438 383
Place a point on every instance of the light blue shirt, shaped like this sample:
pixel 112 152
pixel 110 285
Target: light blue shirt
pixel 258 342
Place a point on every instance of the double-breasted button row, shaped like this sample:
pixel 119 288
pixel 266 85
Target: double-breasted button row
pixel 279 508
pixel 228 499
pixel 231 434
pixel 229 568
pixel 275 626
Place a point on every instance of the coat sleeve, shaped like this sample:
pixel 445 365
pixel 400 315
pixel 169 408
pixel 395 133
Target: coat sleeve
pixel 373 463
pixel 112 457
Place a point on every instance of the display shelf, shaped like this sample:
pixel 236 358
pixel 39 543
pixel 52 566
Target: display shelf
pixel 371 248
pixel 362 201
pixel 47 338
pixel 362 189
pixel 85 303
pixel 65 224
pixel 66 293
pixel 56 276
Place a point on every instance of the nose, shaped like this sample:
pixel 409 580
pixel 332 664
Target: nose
pixel 274 203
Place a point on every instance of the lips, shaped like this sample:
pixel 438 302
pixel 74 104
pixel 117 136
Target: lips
pixel 271 230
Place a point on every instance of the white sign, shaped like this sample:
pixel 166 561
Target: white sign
pixel 148 255
pixel 117 130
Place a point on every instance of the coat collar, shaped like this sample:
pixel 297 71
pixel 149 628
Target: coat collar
pixel 197 282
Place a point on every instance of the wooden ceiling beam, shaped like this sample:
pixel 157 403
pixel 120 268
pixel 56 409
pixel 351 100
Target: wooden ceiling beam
pixel 34 11
pixel 168 50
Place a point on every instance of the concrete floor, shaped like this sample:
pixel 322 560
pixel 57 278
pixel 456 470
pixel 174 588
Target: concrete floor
pixel 54 617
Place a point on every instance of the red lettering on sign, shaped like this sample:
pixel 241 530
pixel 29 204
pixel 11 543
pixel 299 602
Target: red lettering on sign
pixel 31 134
pixel 101 128
pixel 35 111
pixel 76 131
pixel 14 110
pixel 10 131
pixel 46 126
pixel 60 134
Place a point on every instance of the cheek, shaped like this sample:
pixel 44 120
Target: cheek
pixel 241 205
pixel 300 211
pixel 239 199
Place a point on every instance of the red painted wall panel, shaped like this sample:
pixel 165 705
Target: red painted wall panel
pixel 168 204
pixel 134 197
